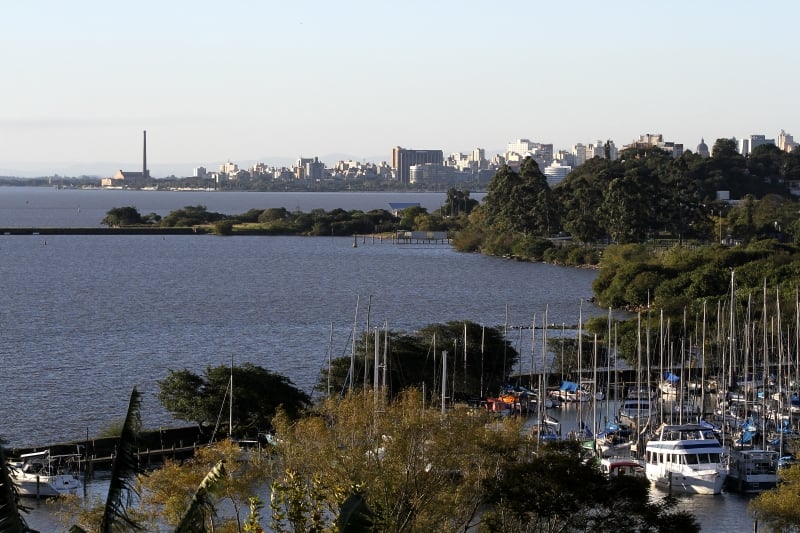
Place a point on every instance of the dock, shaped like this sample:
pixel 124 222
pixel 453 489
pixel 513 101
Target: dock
pixel 403 237
pixel 153 448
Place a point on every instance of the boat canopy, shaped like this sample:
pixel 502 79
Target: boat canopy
pixel 569 386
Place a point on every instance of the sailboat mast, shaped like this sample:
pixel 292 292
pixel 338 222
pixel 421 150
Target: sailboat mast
pixel 230 403
pixel 444 381
pixel 351 375
pixel 366 345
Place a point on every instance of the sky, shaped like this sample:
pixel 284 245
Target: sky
pixel 271 81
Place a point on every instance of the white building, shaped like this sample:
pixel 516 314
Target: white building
pixel 749 144
pixel 556 172
pixel 786 142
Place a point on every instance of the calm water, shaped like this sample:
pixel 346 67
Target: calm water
pixel 49 207
pixel 84 319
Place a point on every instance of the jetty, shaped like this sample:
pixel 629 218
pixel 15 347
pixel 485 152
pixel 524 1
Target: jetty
pixel 402 237
pixel 153 448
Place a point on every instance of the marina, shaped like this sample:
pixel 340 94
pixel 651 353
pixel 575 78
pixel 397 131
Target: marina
pixel 100 314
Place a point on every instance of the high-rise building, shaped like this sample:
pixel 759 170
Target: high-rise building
pixel 403 159
pixel 579 154
pixel 786 142
pixel 748 145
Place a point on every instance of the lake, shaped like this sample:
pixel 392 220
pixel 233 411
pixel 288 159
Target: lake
pixel 86 318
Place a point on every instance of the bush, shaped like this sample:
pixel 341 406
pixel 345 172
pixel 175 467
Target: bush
pixel 223 227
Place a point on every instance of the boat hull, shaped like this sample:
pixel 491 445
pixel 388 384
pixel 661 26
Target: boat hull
pixel 47 486
pixel 708 482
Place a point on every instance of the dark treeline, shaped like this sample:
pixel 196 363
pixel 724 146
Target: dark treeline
pixel 644 195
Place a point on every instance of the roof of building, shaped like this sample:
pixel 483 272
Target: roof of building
pixel 399 206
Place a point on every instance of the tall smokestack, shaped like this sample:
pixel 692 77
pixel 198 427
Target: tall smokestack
pixel 145 173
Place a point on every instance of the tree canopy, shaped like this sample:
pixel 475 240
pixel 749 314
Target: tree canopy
pixel 415 360
pixel 643 195
pixel 122 216
pixel 257 394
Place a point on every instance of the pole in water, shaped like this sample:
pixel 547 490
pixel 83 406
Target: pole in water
pixel 355 241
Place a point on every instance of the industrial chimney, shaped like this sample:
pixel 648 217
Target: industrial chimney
pixel 145 173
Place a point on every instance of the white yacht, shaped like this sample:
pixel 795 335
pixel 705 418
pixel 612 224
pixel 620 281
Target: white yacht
pixel 685 458
pixel 44 475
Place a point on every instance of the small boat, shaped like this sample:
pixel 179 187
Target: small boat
pixel 621 466
pixel 636 413
pixel 41 474
pixel 685 458
pixel 752 470
pixel 614 441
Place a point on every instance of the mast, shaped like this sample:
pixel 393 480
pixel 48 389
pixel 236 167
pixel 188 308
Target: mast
pixel 483 338
pixel 330 349
pixel 230 403
pixel 366 345
pixel 465 359
pixel 444 381
pixel 353 347
pixel 703 366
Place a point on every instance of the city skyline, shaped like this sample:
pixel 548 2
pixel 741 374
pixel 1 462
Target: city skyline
pixel 279 81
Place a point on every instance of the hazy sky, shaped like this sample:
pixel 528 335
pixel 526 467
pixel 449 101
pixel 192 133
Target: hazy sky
pixel 254 80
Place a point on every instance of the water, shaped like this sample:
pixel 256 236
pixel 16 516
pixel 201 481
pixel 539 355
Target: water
pixel 80 208
pixel 85 318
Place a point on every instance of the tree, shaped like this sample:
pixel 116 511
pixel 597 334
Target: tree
pixel 780 508
pixel 457 203
pixel 122 216
pixel 413 363
pixel 257 394
pixel 558 490
pixel 409 215
pixel 190 216
pixel 520 202
pixel 415 469
pixel 172 489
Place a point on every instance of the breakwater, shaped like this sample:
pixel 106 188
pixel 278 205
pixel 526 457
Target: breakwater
pixel 130 230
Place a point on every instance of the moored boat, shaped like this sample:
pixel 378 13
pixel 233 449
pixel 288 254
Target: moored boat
pixel 44 475
pixel 685 458
pixel 621 466
pixel 752 470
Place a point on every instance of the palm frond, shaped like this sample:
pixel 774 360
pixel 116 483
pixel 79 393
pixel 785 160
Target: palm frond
pixel 11 520
pixel 355 516
pixel 194 521
pixel 121 490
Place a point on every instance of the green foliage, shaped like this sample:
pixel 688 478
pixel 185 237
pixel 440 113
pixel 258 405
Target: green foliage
pixel 779 509
pixel 202 508
pixel 415 360
pixel 557 490
pixel 521 202
pixel 122 216
pixel 643 194
pixel 223 227
pixel 530 247
pixel 190 216
pixel 458 203
pixel 121 488
pixel 257 394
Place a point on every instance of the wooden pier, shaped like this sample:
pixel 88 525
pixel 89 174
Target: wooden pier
pixel 403 237
pixel 154 447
